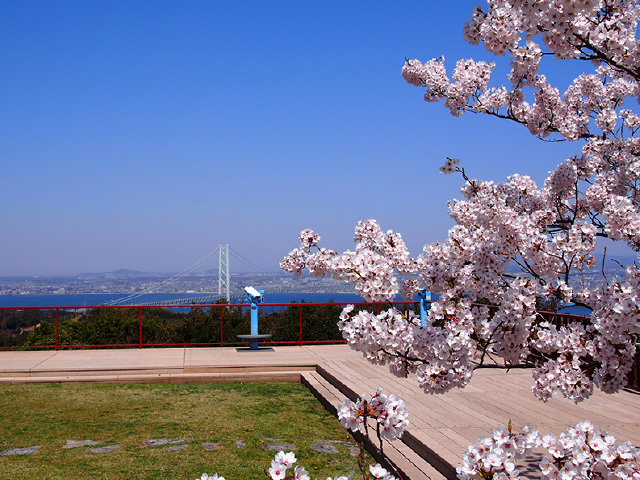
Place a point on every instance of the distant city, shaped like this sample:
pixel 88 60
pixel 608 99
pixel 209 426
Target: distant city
pixel 133 282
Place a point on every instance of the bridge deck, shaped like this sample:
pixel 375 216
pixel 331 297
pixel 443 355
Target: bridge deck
pixel 444 424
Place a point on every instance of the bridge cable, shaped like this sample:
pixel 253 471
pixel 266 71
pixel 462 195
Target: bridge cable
pixel 166 282
pixel 246 261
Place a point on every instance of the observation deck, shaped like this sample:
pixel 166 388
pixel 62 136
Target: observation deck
pixel 441 426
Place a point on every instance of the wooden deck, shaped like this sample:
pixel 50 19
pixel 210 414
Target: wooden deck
pixel 441 427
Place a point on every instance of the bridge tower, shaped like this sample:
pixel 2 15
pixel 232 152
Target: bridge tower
pixel 223 271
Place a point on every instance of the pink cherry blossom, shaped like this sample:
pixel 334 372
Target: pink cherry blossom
pixel 387 410
pixel 514 242
pixel 548 231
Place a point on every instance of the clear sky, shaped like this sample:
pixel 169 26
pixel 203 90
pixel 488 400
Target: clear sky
pixel 143 134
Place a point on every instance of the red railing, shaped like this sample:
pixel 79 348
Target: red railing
pixel 316 326
pixel 233 319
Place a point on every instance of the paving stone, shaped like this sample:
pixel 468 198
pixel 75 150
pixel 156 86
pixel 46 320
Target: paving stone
pixel 178 447
pixel 107 449
pixel 324 448
pixel 276 447
pixel 163 441
pixel 354 451
pixel 337 442
pixel 240 444
pixel 211 446
pixel 20 451
pixel 79 443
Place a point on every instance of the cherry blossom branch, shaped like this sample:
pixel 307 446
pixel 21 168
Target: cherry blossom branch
pixel 599 54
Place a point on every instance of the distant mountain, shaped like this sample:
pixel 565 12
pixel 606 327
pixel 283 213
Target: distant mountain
pixel 123 272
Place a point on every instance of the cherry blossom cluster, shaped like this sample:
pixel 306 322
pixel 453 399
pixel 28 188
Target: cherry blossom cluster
pixel 370 268
pixel 281 463
pixel 548 231
pixel 450 166
pixel 284 461
pixel 601 31
pixel 493 229
pixel 495 456
pixel 375 471
pixel 580 452
pixel 379 337
pixel 387 410
pixel 486 313
pixel 378 472
pixel 301 258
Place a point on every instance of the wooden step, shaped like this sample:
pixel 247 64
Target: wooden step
pixel 443 467
pixel 407 462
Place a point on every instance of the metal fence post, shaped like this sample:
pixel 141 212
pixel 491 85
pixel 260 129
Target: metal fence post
pixel 57 330
pixel 221 329
pixel 300 325
pixel 140 332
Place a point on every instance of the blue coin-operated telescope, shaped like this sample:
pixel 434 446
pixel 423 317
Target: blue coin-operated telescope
pixel 255 297
pixel 424 297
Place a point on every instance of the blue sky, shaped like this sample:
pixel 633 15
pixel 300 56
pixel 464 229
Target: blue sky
pixel 143 134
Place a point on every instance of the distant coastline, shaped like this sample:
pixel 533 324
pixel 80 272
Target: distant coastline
pixel 95 299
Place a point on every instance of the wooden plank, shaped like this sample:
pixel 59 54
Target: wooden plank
pixel 410 464
pixel 436 448
pixel 441 426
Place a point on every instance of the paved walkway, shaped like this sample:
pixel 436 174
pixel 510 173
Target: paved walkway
pixel 441 426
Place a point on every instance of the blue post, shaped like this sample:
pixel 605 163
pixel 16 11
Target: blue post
pixel 254 317
pixel 425 299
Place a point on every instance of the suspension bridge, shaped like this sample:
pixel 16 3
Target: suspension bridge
pixel 224 282
pixel 226 292
pixel 236 296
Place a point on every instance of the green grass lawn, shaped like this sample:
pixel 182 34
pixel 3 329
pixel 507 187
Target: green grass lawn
pixel 129 415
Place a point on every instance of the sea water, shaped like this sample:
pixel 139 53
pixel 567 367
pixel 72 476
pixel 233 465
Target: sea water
pixel 94 299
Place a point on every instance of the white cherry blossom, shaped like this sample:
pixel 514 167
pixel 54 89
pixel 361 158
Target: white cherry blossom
pixel 486 310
